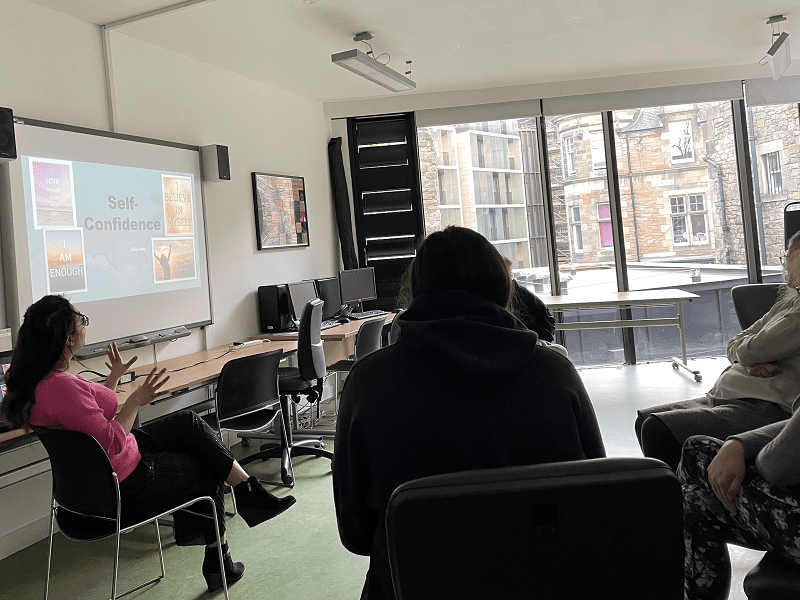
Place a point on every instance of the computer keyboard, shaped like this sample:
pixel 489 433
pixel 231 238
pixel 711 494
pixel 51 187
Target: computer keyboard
pixel 367 314
pixel 329 324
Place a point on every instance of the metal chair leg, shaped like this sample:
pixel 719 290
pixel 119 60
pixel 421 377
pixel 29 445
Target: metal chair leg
pixel 50 549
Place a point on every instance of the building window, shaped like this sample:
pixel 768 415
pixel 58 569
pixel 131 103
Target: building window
pixel 569 156
pixel 604 218
pixel 575 226
pixel 598 151
pixel 680 141
pixel 772 165
pixel 689 220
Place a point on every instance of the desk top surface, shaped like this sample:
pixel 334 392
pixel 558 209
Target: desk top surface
pixel 201 367
pixel 340 332
pixel 593 299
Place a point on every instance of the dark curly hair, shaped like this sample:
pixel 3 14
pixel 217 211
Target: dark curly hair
pixel 47 325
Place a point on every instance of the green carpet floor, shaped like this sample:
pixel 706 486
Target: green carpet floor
pixel 296 555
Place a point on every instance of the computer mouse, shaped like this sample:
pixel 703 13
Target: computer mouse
pixel 343 320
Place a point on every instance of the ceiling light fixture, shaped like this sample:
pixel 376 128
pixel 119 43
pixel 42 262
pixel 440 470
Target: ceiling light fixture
pixel 779 55
pixel 366 65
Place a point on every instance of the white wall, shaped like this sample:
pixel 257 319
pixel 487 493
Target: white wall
pixel 53 71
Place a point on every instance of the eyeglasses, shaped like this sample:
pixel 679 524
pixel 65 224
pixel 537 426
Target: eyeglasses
pixel 83 319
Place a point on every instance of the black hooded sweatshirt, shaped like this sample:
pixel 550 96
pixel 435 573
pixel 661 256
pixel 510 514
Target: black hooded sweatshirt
pixel 464 387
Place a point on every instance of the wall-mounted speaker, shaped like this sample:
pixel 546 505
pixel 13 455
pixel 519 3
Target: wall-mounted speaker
pixel 216 166
pixel 8 146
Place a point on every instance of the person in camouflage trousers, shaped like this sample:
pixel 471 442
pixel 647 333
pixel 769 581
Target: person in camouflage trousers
pixel 758 515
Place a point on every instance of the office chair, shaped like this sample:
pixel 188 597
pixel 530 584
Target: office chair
pixel 368 340
pixel 752 301
pixel 306 379
pixel 772 579
pixel 578 530
pixel 246 399
pixel 394 330
pixel 86 499
pixel 791 222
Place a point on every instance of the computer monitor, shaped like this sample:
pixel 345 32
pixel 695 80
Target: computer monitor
pixel 300 294
pixel 357 285
pixel 328 289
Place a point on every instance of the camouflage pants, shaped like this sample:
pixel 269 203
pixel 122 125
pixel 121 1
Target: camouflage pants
pixel 767 518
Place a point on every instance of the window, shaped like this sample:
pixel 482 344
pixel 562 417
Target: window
pixel 575 226
pixel 688 226
pixel 680 141
pixel 772 165
pixel 598 151
pixel 604 218
pixel 569 156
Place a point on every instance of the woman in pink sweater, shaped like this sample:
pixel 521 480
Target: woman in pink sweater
pixel 159 465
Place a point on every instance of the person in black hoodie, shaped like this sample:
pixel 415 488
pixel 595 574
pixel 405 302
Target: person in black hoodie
pixel 462 363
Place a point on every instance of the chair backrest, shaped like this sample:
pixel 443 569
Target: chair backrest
pixel 791 222
pixel 310 354
pixel 368 338
pixel 394 330
pixel 247 384
pixel 83 478
pixel 752 301
pixel 571 530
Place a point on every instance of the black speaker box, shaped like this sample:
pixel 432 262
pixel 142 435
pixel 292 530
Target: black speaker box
pixel 216 166
pixel 274 311
pixel 8 146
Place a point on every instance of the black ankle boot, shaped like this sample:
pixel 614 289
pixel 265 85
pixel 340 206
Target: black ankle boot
pixel 256 504
pixel 233 571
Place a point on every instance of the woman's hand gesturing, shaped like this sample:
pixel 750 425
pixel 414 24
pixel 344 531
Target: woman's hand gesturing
pixel 145 393
pixel 116 367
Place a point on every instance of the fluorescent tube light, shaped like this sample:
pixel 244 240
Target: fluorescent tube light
pixel 369 68
pixel 779 56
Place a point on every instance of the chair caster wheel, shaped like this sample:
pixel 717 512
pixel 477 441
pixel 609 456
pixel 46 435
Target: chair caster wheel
pixel 675 366
pixel 245 442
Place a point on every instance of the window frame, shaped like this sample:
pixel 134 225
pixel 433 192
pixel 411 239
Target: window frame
pixel 568 148
pixel 597 144
pixel 604 221
pixel 687 212
pixel 774 175
pixel 674 134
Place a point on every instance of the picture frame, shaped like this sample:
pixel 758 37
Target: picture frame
pixel 280 211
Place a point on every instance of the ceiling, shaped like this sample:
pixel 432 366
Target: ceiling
pixel 454 45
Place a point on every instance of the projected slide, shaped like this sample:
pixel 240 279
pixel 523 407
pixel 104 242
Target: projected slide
pixel 99 231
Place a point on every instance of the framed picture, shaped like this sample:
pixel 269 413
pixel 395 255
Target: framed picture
pixel 280 206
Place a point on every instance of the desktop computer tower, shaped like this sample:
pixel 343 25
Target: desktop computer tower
pixel 274 311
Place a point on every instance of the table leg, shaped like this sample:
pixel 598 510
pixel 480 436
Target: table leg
pixel 676 363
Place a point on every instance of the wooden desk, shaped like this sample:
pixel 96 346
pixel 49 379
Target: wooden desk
pixel 581 300
pixel 195 375
pixel 340 339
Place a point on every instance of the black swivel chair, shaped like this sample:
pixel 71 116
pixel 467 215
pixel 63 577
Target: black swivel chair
pixel 306 379
pixel 247 400
pixel 368 340
pixel 394 330
pixel 579 530
pixel 86 499
pixel 752 301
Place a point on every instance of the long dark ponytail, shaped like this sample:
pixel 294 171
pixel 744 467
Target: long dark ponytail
pixel 45 329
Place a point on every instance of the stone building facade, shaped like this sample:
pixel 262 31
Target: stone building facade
pixel 678 183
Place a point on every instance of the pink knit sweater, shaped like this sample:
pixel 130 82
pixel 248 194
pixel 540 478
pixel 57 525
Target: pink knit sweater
pixel 70 402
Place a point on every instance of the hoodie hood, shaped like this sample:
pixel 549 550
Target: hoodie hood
pixel 467 334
